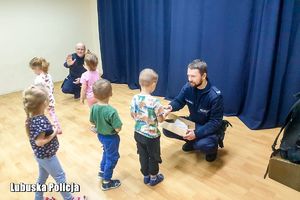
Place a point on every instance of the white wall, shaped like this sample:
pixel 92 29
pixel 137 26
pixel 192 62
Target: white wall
pixel 46 28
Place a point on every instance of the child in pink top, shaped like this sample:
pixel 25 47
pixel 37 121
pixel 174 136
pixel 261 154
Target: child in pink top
pixel 88 78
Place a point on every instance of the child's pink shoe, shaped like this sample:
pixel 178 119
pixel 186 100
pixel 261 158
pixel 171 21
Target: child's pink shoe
pixel 80 198
pixel 49 198
pixel 59 131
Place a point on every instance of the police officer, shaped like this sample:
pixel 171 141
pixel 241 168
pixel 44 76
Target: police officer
pixel 205 104
pixel 75 64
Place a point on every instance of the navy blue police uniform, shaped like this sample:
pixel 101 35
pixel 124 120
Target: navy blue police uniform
pixel 75 71
pixel 206 110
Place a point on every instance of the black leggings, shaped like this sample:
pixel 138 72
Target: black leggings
pixel 149 153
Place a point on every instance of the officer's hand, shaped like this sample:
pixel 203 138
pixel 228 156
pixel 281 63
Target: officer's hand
pixel 190 135
pixel 69 60
pixel 77 81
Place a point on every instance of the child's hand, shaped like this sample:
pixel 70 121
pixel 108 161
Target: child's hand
pixel 166 113
pixel 93 128
pixel 168 108
pixel 82 100
pixel 133 115
pixel 55 131
pixel 43 139
pixel 69 60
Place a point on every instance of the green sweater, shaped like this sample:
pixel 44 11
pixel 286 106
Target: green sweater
pixel 105 118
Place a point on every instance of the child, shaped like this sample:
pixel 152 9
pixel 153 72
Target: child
pixel 147 111
pixel 40 67
pixel 88 78
pixel 42 137
pixel 108 125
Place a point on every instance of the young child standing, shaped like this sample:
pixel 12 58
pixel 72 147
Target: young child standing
pixel 88 78
pixel 40 67
pixel 42 137
pixel 108 124
pixel 147 111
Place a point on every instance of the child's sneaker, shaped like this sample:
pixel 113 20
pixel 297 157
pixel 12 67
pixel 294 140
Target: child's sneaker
pixel 110 184
pixel 80 198
pixel 147 179
pixel 158 178
pixel 100 175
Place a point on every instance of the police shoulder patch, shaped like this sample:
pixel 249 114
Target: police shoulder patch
pixel 217 91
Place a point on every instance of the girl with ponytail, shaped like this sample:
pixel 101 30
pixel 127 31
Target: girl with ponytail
pixel 43 139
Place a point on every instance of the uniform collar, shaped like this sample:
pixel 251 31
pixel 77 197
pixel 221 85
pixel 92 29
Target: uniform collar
pixel 206 89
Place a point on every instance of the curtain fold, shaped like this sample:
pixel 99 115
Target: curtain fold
pixel 252 48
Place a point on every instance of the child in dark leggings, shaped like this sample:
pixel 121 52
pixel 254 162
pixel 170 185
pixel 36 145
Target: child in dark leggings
pixel 147 111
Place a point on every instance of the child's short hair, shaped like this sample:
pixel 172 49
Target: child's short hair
pixel 40 63
pixel 147 77
pixel 91 60
pixel 102 89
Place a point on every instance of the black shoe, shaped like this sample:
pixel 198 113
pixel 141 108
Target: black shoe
pixel 211 157
pixel 222 132
pixel 159 178
pixel 110 185
pixel 188 146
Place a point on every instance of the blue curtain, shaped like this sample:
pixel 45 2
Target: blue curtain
pixel 252 48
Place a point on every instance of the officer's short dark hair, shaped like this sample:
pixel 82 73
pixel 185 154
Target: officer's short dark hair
pixel 200 65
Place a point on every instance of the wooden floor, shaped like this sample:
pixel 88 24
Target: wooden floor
pixel 236 174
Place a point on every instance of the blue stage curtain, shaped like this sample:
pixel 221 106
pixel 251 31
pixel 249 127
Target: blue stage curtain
pixel 252 48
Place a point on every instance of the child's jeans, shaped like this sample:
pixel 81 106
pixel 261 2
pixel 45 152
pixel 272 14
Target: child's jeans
pixel 110 155
pixel 51 166
pixel 54 118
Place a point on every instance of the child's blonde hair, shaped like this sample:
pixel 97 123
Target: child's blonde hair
pixel 102 89
pixel 40 63
pixel 91 60
pixel 147 77
pixel 33 98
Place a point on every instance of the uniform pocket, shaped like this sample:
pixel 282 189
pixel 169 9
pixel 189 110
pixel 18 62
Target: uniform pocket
pixel 203 111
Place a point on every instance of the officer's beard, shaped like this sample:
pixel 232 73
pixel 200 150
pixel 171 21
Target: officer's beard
pixel 194 85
